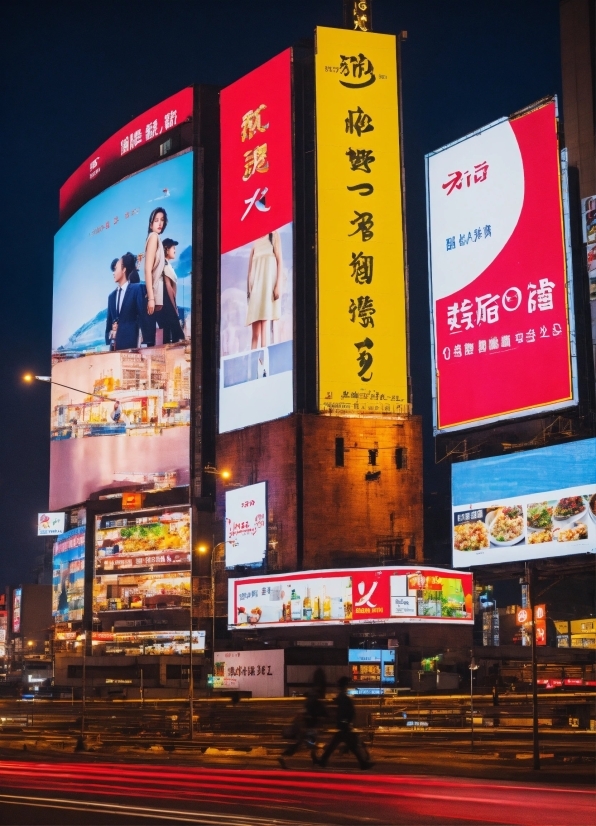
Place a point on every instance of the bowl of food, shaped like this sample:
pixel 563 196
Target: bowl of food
pixel 539 537
pixel 570 507
pixel 470 536
pixel 506 525
pixel 592 507
pixel 540 517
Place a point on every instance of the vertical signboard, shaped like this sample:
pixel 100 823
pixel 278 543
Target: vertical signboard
pixel 589 236
pixel 121 348
pixel 499 284
pixel 68 576
pixel 256 289
pixel 246 525
pixel 361 286
pixel 16 610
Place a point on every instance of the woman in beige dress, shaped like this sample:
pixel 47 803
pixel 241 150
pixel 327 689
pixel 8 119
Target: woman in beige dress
pixel 154 266
pixel 263 287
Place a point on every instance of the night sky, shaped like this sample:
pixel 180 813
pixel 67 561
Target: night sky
pixel 74 73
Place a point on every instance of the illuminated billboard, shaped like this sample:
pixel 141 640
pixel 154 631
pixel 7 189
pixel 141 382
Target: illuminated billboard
pixel 260 672
pixel 335 597
pixel 257 250
pixel 246 525
pixel 362 347
pixel 498 273
pixel 142 561
pixel 121 361
pixel 17 596
pixel 152 125
pixel 68 576
pixel 50 524
pixel 528 505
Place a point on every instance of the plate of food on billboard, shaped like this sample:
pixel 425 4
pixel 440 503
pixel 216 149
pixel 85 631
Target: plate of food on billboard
pixel 534 520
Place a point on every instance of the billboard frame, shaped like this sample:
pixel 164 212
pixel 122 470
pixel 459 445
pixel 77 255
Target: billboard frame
pixel 568 258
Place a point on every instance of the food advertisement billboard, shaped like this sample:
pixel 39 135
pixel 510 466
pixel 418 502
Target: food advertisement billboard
pixel 589 237
pixel 142 561
pixel 261 672
pixel 528 505
pixel 362 342
pixel 121 358
pixel 68 576
pixel 50 524
pixel 246 525
pixel 335 597
pixel 498 273
pixel 17 595
pixel 257 249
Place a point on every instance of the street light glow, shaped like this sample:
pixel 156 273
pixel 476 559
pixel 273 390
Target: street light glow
pixel 28 377
pixel 225 474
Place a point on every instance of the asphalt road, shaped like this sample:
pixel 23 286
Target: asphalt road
pixel 107 793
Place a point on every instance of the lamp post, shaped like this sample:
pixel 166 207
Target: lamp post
pixel 473 667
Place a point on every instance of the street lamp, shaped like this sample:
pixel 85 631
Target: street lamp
pixel 473 667
pixel 191 677
pixel 29 377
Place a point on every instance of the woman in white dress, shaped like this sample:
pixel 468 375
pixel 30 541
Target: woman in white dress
pixel 263 288
pixel 154 267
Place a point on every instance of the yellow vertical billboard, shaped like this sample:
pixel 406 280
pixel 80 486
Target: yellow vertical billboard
pixel 362 357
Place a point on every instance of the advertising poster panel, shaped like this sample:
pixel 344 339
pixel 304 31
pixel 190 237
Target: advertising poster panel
pixel 120 361
pixel 529 505
pixel 361 281
pixel 589 237
pixel 246 525
pixel 498 273
pixel 50 524
pixel 16 610
pixel 360 595
pixel 257 251
pixel 261 672
pixel 68 576
pixel 153 124
pixel 142 562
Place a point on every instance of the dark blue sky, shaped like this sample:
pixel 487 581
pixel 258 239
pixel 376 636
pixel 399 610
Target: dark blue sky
pixel 73 73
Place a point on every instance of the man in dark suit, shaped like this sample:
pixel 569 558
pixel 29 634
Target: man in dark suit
pixel 125 311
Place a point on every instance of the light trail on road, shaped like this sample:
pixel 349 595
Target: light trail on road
pixel 300 796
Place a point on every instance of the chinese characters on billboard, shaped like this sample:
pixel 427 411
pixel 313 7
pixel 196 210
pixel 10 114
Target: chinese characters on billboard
pixel 358 595
pixel 121 337
pixel 142 562
pixel 256 298
pixel 68 576
pixel 361 286
pixel 261 672
pixel 246 525
pixel 151 125
pixel 507 508
pixel 499 291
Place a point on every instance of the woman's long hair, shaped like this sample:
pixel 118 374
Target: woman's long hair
pixel 152 219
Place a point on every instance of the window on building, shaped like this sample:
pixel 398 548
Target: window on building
pixel 411 551
pixel 372 456
pixel 165 148
pixel 339 451
pixel 401 458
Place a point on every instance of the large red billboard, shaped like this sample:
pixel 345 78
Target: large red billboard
pixel 257 250
pixel 152 124
pixel 400 594
pixel 498 273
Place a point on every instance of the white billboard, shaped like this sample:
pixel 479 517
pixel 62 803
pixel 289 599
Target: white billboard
pixel 246 525
pixel 261 672
pixel 528 505
pixel 50 524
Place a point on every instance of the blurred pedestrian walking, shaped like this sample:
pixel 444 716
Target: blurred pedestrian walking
pixel 304 729
pixel 345 731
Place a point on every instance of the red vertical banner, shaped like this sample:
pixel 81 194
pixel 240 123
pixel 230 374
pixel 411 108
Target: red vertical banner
pixel 257 253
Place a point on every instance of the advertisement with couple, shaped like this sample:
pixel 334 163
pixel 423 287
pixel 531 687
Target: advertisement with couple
pixel 121 358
